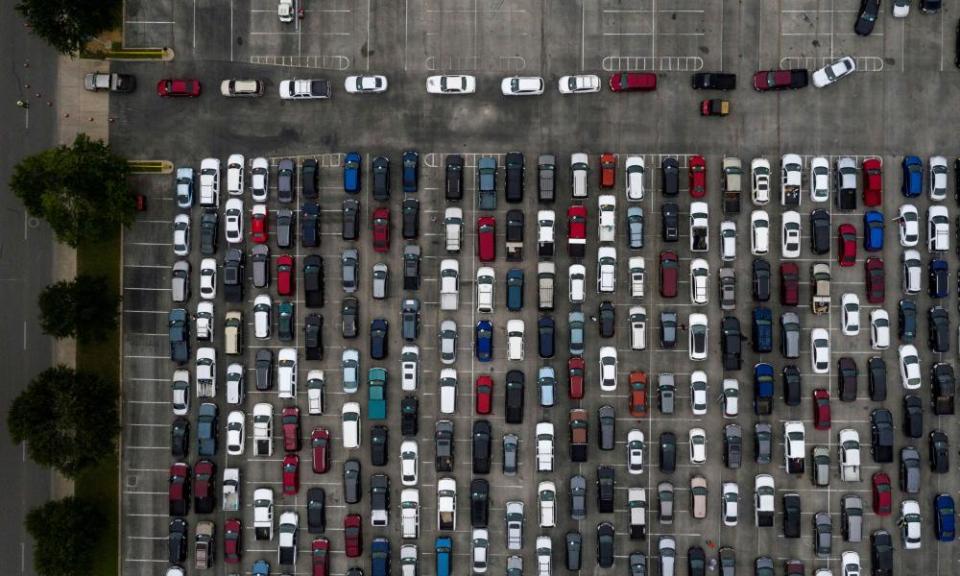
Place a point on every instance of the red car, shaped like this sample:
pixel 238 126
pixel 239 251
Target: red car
pixel 484 391
pixel 697 170
pixel 873 272
pixel 232 540
pixel 353 535
pixel 381 230
pixel 821 409
pixel 285 275
pixel 575 368
pixel 204 486
pixel 291 474
pixel 780 79
pixel 178 492
pixel 789 284
pixel 669 274
pixel 320 444
pixel 633 82
pixel 847 244
pixel 576 230
pixel 258 226
pixel 872 182
pixel 290 421
pixel 487 238
pixel 638 393
pixel 320 554
pixel 882 494
pixel 171 87
pixel 608 170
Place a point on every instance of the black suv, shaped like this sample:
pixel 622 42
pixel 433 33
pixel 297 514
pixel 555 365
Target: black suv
pixel 479 503
pixel 309 225
pixel 668 452
pixel 411 218
pixel 877 378
pixel 670 180
pixel 411 267
pixel 607 319
pixel 481 446
pixel 308 178
pixel 209 227
pixel 313 281
pixel 409 413
pixel 515 170
pixel 912 416
pixel 513 397
pixel 907 320
pixel 381 179
pixel 730 343
pixel 820 231
pixel 454 183
pixel 233 275
pixel 761 280
pixel 881 436
pixel 605 488
pixel 848 373
pixel 714 81
pixel 791 515
pixel 379 440
pixel 938 329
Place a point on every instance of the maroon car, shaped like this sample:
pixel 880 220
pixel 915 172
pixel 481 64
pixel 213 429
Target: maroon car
pixel 353 535
pixel 204 486
pixel 873 270
pixel 765 80
pixel 178 493
pixel 789 284
pixel 669 274
pixel 290 421
pixel 232 540
pixel 320 444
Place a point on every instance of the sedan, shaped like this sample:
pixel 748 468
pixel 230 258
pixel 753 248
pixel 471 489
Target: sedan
pixel 909 366
pixel 451 84
pixel 820 345
pixel 233 221
pixel 938 178
pixel 291 474
pixel 381 230
pixel 365 84
pixel 874 280
pixel 174 87
pixel 521 86
pixel 698 446
pixel 635 447
pixel 484 394
pixel 258 224
pixel 791 234
pixel 181 235
pixel 873 231
pixel 850 321
pixel 698 393
pixel 697 179
pixel 882 492
pixel 831 73
pixel 208 278
pixel 908 219
pixel 582 84
pixel 320 448
pixel 847 244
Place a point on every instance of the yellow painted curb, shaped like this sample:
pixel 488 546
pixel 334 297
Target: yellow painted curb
pixel 150 166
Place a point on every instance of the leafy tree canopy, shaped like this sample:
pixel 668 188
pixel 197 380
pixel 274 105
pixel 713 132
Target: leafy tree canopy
pixel 69 24
pixel 63 532
pixel 84 308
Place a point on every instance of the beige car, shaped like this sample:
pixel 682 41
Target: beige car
pixel 698 497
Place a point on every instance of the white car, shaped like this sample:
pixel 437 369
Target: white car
pixel 909 366
pixel 233 221
pixel 235 168
pixel 698 446
pixel 912 271
pixel 791 179
pixel 235 433
pixel 578 174
pixel 606 269
pixel 731 398
pixel 910 524
pixel 938 178
pixel 635 448
pixel 373 84
pixel 699 280
pixel 580 84
pixel 409 463
pixel 819 179
pixel 181 235
pixel 577 275
pixel 259 179
pixel 833 72
pixel 607 204
pixel 938 229
pixel 287 373
pixel 698 392
pixel 794 446
pixel 790 234
pixel 285 10
pixel 608 369
pixel 820 348
pixel 210 182
pixel 850 560
pixel 635 168
pixel 208 278
pixel 448 342
pixel 480 546
pixel 316 387
pixel 908 218
pixel 521 86
pixel 879 329
pixel 262 307
pixel 447 386
pixel 728 240
pixel 638 328
pixel 760 178
pixel 699 336
pixel 638 270
pixel 350 422
pixel 759 232
pixel 515 331
pixel 180 385
pixel 901 8
pixel 409 367
pixel 730 501
pixel 850 308
pixel 350 366
pixel 452 84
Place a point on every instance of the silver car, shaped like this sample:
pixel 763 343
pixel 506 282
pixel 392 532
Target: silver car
pixel 381 279
pixel 668 555
pixel 284 228
pixel 576 321
pixel 349 264
pixel 635 226
pixel 286 174
pixel 514 525
pixel 260 261
pixel 448 341
pixel 180 281
pixel 350 365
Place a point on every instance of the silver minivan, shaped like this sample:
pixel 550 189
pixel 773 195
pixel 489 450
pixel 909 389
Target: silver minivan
pixel 665 502
pixel 180 281
pixel 851 517
pixel 668 555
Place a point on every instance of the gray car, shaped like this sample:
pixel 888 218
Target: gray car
pixel 349 264
pixel 666 392
pixel 263 367
pixel 821 466
pixel 260 261
pixel 665 502
pixel 514 566
pixel 909 470
pixel 574 551
pixel 732 446
pixel 351 481
pixel 762 442
pixel 822 534
pixel 410 319
pixel 487 183
pixel 668 328
pixel 350 228
pixel 511 446
pixel 608 420
pixel 578 497
pixel 576 322
pixel 349 317
pixel 728 289
pixel 635 226
pixel 547 178
pixel 790 335
pixel 284 228
pixel 286 180
pixel 180 281
pixel 448 341
pixel 851 517
pixel 381 280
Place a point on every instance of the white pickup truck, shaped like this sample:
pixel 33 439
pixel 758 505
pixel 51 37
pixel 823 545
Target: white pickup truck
pixel 263 429
pixel 453 226
pixel 849 450
pixel 410 513
pixel 545 447
pixel 100 81
pixel 449 284
pixel 263 514
pixel 447 504
pixel 231 489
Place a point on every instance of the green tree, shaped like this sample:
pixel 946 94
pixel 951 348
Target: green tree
pixel 68 24
pixel 67 418
pixel 80 190
pixel 84 308
pixel 63 532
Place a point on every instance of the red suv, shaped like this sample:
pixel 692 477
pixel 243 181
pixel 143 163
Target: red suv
pixel 484 393
pixel 575 368
pixel 669 274
pixel 320 552
pixel 882 494
pixel 204 486
pixel 290 421
pixel 381 230
pixel 487 238
pixel 232 540
pixel 178 493
pixel 638 393
pixel 789 284
pixel 821 409
pixel 353 535
pixel 697 171
pixel 285 275
pixel 608 170
pixel 872 182
pixel 320 444
pixel 873 270
pixel 847 244
pixel 291 474
pixel 633 81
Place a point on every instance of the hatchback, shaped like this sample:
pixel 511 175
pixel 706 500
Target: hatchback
pixel 847 244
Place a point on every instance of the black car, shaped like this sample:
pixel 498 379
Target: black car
pixel 454 172
pixel 847 378
pixel 313 337
pixel 411 267
pixel 696 561
pixel 313 281
pixel 179 334
pixel 409 415
pixel 574 551
pixel 791 385
pixel 907 320
pixel 881 436
pixel 730 343
pixel 308 178
pixel 379 440
pixel 411 170
pixel 479 503
pixel 180 438
pixel 607 420
pixel 515 170
pixel 381 179
pixel 233 276
pixel 670 176
pixel 912 416
pixel 877 378
pixel 732 446
pixel 379 341
pixel 761 280
pixel 820 231
pixel 668 328
pixel 939 446
pixel 714 81
pixel 607 319
pixel 309 225
pixel 546 330
pixel 605 534
pixel 209 231
pixel 316 511
pixel 938 276
pixel 349 317
pixel 605 489
pixel 351 481
pixel 263 369
pixel 791 515
pixel 547 177
pixel 938 329
pixel 286 180
pixel 513 398
pixel 444 446
pixel 177 541
pixel 411 218
pixel 482 446
pixel 670 219
pixel 867 17
pixel 350 228
pixel 668 452
pixel 944 385
pixel 881 553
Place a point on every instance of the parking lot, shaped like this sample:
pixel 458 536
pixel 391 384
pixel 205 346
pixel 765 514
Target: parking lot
pixel 909 66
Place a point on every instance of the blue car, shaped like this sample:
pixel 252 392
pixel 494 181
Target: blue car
pixel 514 289
pixel 873 231
pixel 937 278
pixel 411 170
pixel 484 341
pixel 946 517
pixel 762 389
pixel 912 176
pixel 443 548
pixel 261 568
pixel 762 329
pixel 546 329
pixel 351 172
pixel 380 557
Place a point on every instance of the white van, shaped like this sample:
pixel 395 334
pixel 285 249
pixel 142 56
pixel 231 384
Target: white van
pixel 578 174
pixel 409 368
pixel 578 279
pixel 262 307
pixel 350 419
pixel 235 168
pixel 486 279
pixel 287 373
pixel 448 391
pixel 235 388
pixel 515 339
